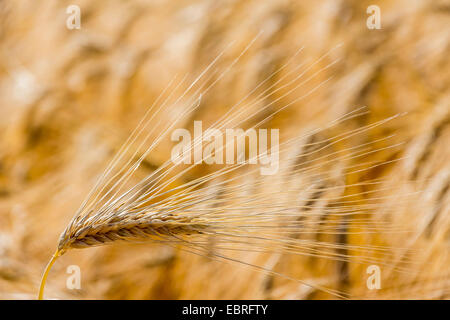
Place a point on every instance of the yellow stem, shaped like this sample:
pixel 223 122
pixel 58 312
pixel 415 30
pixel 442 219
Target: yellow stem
pixel 45 274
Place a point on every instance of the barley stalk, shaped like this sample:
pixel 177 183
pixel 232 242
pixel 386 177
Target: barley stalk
pixel 245 220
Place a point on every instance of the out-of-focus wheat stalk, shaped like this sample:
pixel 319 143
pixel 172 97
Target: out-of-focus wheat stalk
pixel 233 208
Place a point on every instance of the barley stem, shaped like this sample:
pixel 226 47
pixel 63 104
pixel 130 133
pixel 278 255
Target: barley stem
pixel 45 274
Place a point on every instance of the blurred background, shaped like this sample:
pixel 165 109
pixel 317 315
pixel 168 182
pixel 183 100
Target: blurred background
pixel 70 97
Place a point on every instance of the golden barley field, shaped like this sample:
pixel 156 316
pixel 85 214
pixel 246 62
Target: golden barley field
pixel 70 98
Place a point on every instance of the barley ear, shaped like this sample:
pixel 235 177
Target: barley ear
pixel 45 274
